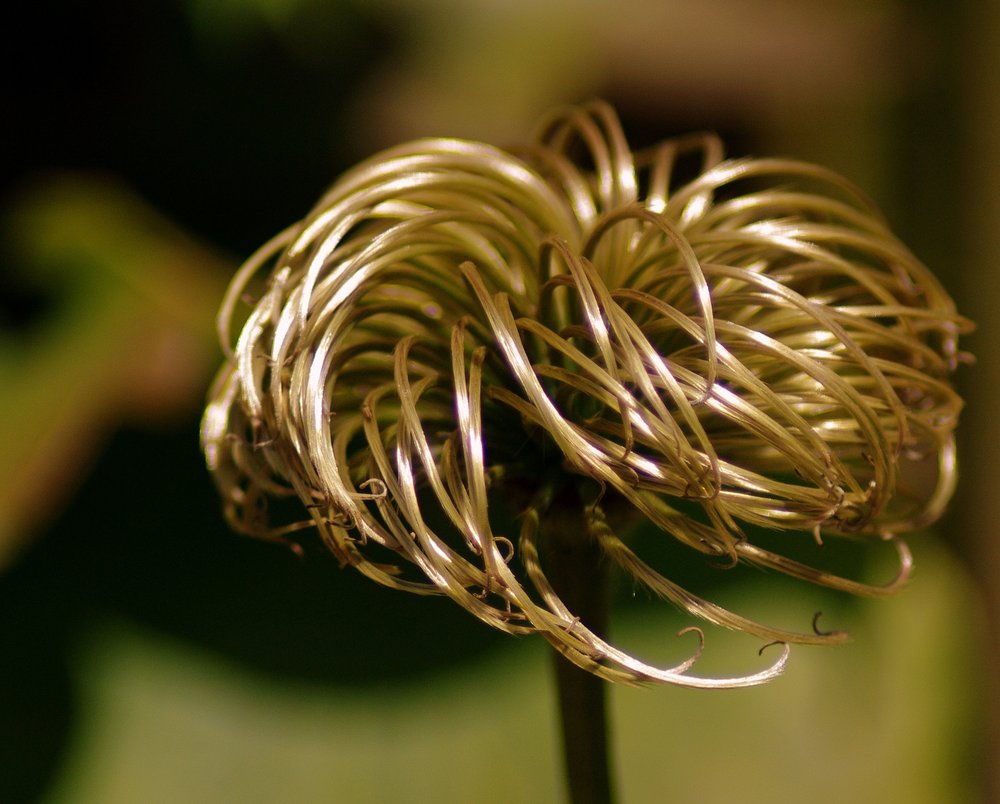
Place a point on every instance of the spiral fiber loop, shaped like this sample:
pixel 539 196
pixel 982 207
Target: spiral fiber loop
pixel 455 324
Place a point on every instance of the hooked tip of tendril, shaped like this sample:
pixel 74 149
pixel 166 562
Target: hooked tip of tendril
pixel 694 629
pixel 836 632
pixel 771 644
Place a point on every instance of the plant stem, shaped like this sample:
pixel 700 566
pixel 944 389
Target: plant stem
pixel 577 569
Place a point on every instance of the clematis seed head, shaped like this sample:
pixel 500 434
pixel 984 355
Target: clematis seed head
pixel 455 324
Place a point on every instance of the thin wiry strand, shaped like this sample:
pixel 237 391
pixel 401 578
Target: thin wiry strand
pixel 455 324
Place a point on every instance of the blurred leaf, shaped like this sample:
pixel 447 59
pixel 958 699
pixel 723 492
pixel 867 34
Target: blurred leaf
pixel 872 722
pixel 130 334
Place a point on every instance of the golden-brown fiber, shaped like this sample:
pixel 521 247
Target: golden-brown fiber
pixel 454 322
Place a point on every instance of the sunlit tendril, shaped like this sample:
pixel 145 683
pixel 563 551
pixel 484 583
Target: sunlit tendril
pixel 455 325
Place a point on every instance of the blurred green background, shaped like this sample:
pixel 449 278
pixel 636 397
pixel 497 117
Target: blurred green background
pixel 149 655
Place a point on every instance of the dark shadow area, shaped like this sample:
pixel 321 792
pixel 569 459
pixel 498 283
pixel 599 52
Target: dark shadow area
pixel 121 551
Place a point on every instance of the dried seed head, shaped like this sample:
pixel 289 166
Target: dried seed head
pixel 454 322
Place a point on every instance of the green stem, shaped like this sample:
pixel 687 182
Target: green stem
pixel 577 570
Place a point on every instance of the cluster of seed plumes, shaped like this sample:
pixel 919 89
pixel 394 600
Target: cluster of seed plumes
pixel 457 328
